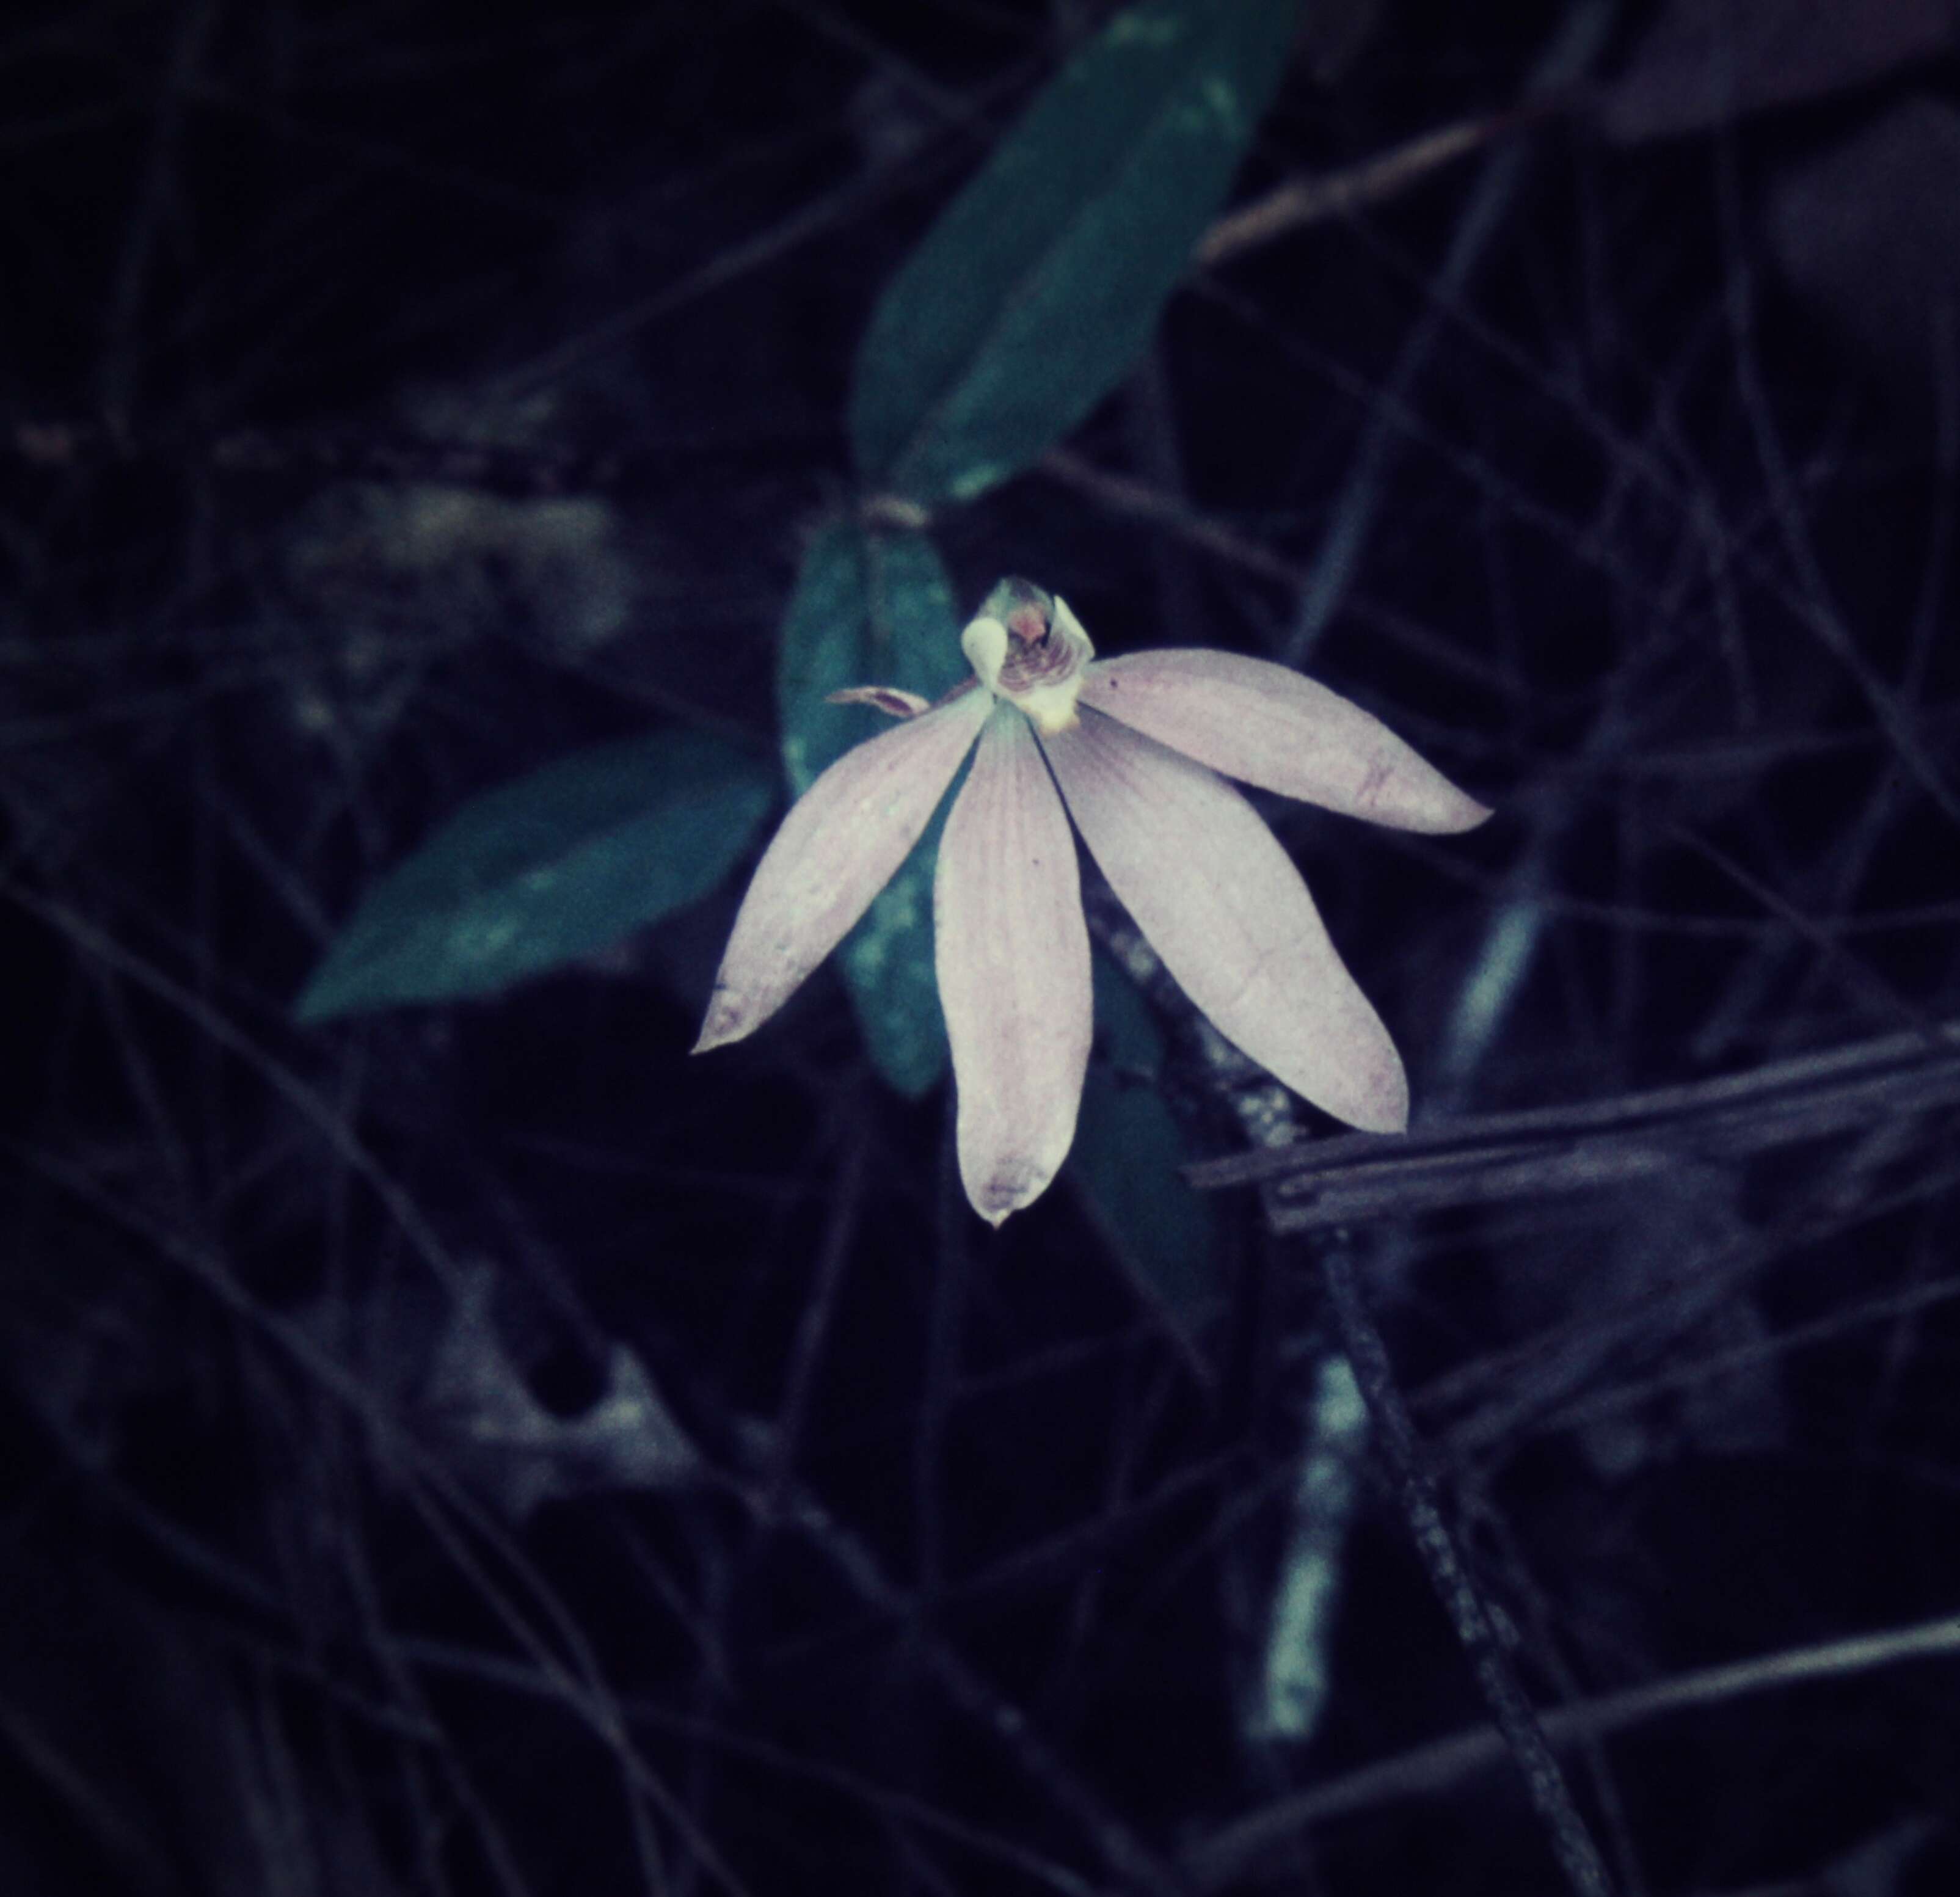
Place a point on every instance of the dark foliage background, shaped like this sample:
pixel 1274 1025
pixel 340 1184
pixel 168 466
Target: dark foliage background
pixel 476 1448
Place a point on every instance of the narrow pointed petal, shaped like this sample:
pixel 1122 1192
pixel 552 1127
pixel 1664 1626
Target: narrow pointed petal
pixel 887 698
pixel 840 844
pixel 1220 900
pixel 1013 970
pixel 1265 724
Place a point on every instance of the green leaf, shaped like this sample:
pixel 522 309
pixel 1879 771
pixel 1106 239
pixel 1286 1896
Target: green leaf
pixel 874 608
pixel 537 873
pixel 1039 287
pixel 1126 1155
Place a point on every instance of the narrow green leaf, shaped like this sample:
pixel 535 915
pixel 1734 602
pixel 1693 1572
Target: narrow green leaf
pixel 874 608
pixel 540 872
pixel 1127 1154
pixel 1029 299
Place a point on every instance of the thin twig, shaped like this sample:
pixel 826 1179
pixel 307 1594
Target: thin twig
pixel 97 944
pixel 1491 1157
pixel 1497 1679
pixel 834 1257
pixel 1300 201
pixel 1579 39
pixel 116 376
pixel 1124 1853
pixel 507 1675
pixel 1123 494
pixel 1815 607
pixel 1227 1855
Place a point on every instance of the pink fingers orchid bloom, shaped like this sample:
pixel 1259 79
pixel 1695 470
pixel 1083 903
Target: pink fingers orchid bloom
pixel 1130 748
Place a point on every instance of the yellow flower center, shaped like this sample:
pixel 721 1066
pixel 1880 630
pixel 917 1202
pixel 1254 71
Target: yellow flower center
pixel 1027 646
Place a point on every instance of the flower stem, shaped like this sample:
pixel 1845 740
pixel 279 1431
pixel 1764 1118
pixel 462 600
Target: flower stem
pixel 1415 1488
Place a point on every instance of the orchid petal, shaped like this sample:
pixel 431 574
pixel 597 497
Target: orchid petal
pixel 1219 899
pixel 840 844
pixel 1265 725
pixel 1013 970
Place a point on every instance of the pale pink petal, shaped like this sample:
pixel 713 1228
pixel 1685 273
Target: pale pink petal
pixel 1265 724
pixel 840 844
pixel 1013 970
pixel 1220 900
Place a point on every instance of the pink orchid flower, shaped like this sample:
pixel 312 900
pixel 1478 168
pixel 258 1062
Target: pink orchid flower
pixel 1129 748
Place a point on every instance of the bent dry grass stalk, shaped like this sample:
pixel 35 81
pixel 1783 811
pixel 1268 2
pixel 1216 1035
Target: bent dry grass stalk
pixel 1484 1159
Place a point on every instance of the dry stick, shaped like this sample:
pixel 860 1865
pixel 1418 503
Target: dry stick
pixel 940 1369
pixel 1481 1158
pixel 1811 607
pixel 1576 43
pixel 1816 609
pixel 1225 1857
pixel 91 940
pixel 577 1679
pixel 1121 1849
pixel 1142 501
pixel 1304 201
pixel 1562 1362
pixel 839 1237
pixel 116 376
pixel 1545 1781
pixel 517 1676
